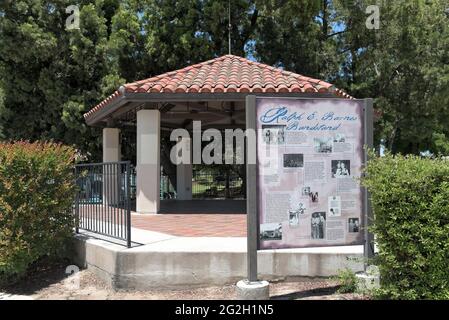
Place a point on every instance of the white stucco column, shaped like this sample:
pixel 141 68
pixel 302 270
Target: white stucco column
pixel 184 170
pixel 148 161
pixel 111 145
pixel 111 153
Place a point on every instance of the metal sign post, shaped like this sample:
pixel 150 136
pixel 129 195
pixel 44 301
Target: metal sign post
pixel 368 249
pixel 251 194
pixel 251 288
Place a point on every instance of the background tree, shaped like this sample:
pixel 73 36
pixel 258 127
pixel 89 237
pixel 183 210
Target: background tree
pixel 403 66
pixel 50 76
pixel 2 111
pixel 300 36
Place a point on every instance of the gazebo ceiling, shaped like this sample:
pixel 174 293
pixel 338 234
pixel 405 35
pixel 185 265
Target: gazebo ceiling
pixel 224 77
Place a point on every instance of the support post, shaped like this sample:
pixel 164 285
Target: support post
pixel 184 170
pixel 111 145
pixel 111 153
pixel 148 161
pixel 77 203
pixel 368 213
pixel 370 278
pixel 251 194
pixel 128 204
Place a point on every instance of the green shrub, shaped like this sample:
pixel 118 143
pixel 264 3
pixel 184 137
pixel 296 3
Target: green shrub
pixel 347 281
pixel 36 194
pixel 410 199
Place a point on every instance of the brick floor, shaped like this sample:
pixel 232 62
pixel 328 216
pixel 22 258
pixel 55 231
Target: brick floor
pixel 193 225
pixel 196 218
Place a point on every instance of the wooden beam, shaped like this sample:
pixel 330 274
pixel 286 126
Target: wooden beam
pixel 166 107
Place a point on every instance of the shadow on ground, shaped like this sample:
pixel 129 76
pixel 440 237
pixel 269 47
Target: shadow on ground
pixel 306 293
pixel 40 276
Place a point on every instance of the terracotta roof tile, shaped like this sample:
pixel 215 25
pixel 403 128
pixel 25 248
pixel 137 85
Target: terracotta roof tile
pixel 224 74
pixel 206 88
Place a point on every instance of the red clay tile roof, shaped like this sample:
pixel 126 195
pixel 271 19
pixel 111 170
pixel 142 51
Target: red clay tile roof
pixel 225 74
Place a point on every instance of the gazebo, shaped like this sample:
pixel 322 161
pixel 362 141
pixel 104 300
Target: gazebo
pixel 213 92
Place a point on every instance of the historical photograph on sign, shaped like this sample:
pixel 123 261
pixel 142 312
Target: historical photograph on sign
pixel 341 168
pixel 271 231
pixel 297 210
pixel 313 197
pixel 353 225
pixel 339 138
pixel 323 145
pixel 293 219
pixel 334 204
pixel 318 221
pixel 306 191
pixel 293 160
pixel 273 134
pixel 300 208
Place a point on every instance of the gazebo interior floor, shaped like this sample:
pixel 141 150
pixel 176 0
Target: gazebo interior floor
pixel 196 218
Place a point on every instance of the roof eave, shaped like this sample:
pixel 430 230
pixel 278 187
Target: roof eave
pixel 143 97
pixel 101 114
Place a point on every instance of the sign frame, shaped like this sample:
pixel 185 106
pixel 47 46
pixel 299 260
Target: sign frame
pixel 252 184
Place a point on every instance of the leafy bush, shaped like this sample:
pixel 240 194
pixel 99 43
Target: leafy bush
pixel 410 199
pixel 36 193
pixel 347 281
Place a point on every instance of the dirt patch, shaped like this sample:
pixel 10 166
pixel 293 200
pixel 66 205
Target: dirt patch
pixel 41 275
pixel 52 283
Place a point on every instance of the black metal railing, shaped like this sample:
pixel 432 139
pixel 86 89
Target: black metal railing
pixel 167 190
pixel 103 200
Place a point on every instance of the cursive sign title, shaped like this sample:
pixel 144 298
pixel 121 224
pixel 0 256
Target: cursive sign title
pixel 313 121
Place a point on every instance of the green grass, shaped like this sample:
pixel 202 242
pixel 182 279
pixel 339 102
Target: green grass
pixel 203 189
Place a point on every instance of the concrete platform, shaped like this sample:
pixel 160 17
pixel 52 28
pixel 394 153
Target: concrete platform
pixel 166 261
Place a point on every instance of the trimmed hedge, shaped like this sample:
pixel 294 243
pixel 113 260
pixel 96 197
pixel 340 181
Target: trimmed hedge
pixel 410 198
pixel 36 195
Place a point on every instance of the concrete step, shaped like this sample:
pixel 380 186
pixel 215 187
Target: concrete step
pixel 165 261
